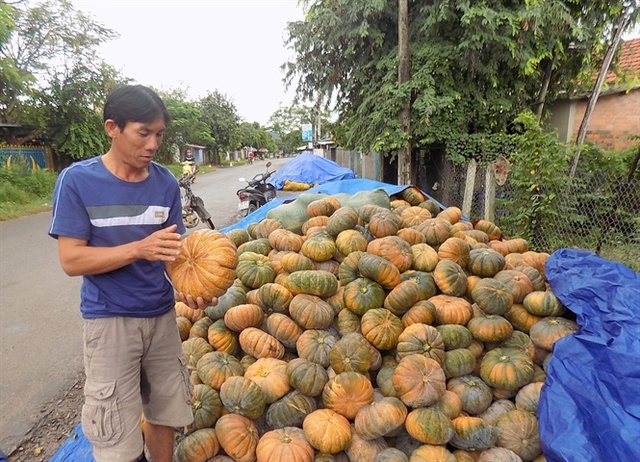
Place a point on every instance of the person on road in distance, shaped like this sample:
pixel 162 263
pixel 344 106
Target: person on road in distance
pixel 189 164
pixel 118 221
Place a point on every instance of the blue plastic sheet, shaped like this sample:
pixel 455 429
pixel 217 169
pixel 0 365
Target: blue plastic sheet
pixel 311 169
pixel 76 448
pixel 590 403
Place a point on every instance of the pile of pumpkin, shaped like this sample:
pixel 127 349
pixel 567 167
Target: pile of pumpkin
pixel 366 333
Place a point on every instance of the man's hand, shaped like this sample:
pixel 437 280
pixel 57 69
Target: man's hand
pixel 198 303
pixel 163 245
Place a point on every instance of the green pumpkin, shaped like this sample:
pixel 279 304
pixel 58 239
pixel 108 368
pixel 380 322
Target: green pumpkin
pixel 234 296
pixel 424 280
pixel 320 283
pixel 243 396
pixel 429 426
pixel 492 296
pixel 290 410
pixel 307 377
pixel 485 262
pixel 206 407
pixel 346 217
pixel 506 368
pixel 348 270
pixel 260 246
pixel 472 433
pixel 362 295
pixel 474 394
pixel 458 362
pixel 255 270
pixel 455 336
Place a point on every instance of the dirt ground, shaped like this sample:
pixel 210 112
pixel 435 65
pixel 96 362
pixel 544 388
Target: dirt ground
pixel 59 418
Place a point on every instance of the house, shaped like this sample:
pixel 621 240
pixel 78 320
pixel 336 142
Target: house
pixel 616 116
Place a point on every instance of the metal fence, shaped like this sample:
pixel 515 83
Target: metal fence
pixel 597 210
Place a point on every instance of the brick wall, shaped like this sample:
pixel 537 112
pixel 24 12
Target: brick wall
pixel 615 117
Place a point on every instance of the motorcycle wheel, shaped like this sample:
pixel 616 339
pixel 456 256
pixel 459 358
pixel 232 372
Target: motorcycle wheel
pixel 252 208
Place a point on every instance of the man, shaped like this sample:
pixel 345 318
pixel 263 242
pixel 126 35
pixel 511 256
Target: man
pixel 118 221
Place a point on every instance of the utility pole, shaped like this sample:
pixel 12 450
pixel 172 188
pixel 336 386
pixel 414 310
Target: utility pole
pixel 404 153
pixel 621 24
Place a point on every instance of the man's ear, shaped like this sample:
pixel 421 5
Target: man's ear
pixel 111 128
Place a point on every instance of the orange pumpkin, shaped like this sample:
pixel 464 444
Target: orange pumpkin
pixel 327 431
pixel 286 444
pixel 283 328
pixel 238 437
pixel 259 344
pixel 380 417
pixel 283 239
pixel 270 374
pixel 419 381
pixel 381 328
pixel 325 206
pixel 455 249
pixel 393 249
pixel 242 316
pixel 347 393
pixel 205 266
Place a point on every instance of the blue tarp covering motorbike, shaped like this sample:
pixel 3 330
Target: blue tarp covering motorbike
pixel 590 403
pixel 311 169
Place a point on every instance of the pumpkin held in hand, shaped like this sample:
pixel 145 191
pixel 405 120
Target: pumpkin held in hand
pixel 206 265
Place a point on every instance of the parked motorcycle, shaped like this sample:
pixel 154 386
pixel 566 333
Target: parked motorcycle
pixel 258 192
pixel 193 210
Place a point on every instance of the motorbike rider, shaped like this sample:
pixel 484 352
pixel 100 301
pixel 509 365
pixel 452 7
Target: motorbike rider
pixel 189 165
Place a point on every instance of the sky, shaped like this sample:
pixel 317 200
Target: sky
pixel 235 47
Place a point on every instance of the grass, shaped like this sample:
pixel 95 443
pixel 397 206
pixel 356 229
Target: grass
pixel 627 254
pixel 23 192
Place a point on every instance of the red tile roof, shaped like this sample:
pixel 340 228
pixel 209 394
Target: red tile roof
pixel 629 61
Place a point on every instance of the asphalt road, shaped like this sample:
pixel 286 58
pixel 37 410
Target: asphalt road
pixel 40 322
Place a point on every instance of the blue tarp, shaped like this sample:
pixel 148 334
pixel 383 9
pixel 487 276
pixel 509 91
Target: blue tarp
pixel 311 169
pixel 590 402
pixel 76 448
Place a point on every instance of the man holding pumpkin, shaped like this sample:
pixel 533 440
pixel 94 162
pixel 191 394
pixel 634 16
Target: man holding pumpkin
pixel 118 222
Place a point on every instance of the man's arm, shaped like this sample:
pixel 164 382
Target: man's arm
pixel 77 258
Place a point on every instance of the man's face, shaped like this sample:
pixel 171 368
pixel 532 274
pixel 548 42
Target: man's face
pixel 138 142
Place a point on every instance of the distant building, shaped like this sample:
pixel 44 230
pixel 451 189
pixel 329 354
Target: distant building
pixel 616 116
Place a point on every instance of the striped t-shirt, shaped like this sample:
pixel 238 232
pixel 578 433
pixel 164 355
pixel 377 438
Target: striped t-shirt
pixel 92 204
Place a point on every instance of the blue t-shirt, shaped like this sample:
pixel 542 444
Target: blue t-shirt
pixel 92 204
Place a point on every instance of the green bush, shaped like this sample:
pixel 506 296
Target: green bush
pixel 23 191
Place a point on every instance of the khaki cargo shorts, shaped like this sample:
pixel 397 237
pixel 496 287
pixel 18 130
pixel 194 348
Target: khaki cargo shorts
pixel 133 366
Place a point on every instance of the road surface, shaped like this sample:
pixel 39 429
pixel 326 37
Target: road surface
pixel 40 322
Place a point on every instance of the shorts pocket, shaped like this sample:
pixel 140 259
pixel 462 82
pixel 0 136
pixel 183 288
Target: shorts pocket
pixel 186 377
pixel 101 422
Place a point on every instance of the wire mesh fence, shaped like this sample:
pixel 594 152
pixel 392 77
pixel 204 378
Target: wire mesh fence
pixel 596 210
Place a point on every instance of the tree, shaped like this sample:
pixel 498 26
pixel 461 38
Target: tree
pixel 12 81
pixel 220 115
pixel 42 40
pixel 286 123
pixel 252 135
pixel 187 125
pixel 474 65
pixel 67 113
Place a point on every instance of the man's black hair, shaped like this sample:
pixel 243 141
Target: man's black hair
pixel 134 103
